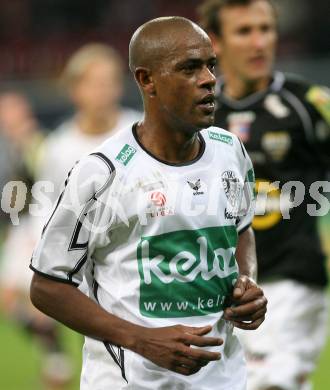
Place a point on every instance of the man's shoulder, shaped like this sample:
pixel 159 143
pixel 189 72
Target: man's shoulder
pixel 296 84
pixel 225 143
pixel 315 97
pixel 219 136
pixel 118 150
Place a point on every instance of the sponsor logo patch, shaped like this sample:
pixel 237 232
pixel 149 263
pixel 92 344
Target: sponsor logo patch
pixel 188 272
pixel 126 154
pixel 227 139
pixel 159 208
pixel 195 186
pixel 320 98
pixel 158 198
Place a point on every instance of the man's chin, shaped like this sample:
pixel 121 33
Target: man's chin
pixel 258 76
pixel 207 121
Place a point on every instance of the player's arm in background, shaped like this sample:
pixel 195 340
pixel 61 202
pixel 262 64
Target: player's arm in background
pixel 60 261
pixel 249 305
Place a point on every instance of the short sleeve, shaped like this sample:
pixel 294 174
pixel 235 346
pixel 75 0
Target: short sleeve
pixel 318 104
pixel 64 248
pixel 247 202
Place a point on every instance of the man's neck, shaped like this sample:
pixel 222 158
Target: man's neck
pixel 237 89
pixel 168 145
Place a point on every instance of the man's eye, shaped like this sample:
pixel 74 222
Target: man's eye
pixel 244 31
pixel 265 28
pixel 211 67
pixel 189 68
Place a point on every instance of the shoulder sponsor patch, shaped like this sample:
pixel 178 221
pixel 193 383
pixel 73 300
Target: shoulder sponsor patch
pixel 227 139
pixel 126 154
pixel 319 97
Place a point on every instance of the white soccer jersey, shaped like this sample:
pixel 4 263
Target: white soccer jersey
pixel 156 243
pixel 67 144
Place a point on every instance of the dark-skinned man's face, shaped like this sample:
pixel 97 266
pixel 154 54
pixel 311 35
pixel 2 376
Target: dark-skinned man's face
pixel 185 83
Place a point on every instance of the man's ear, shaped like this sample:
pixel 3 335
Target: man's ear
pixel 145 80
pixel 216 43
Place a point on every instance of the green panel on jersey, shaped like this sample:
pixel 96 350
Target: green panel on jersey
pixel 227 139
pixel 188 272
pixel 126 154
pixel 251 180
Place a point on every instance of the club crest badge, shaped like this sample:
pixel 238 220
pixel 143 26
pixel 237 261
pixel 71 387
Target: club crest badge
pixel 276 144
pixel 239 123
pixel 232 188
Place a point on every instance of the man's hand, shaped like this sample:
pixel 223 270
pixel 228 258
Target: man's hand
pixel 249 305
pixel 169 347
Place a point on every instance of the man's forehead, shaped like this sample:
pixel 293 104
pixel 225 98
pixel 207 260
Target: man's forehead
pixel 242 14
pixel 191 50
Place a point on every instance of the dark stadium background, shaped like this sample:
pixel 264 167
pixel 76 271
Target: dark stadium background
pixel 36 38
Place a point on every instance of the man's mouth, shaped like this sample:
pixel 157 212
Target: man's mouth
pixel 258 60
pixel 207 103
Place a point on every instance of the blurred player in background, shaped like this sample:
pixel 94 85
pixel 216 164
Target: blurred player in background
pixel 284 124
pixel 21 141
pixel 20 137
pixel 94 77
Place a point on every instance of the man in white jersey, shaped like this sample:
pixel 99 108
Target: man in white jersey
pixel 93 77
pixel 157 220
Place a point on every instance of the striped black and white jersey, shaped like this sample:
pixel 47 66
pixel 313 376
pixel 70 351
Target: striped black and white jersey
pixel 156 244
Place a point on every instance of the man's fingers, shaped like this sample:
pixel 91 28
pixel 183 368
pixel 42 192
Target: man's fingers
pixel 239 288
pixel 199 341
pixel 249 295
pixel 249 325
pixel 246 309
pixel 199 354
pixel 252 317
pixel 199 331
pixel 191 363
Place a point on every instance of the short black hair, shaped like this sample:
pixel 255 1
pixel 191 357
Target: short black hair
pixel 210 9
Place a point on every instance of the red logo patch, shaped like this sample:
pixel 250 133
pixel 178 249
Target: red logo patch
pixel 158 198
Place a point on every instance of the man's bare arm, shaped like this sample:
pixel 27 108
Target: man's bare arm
pixel 168 347
pixel 249 303
pixel 246 255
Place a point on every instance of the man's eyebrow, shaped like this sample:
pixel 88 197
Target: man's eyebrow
pixel 196 61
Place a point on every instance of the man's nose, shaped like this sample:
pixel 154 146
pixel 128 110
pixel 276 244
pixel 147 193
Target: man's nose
pixel 259 40
pixel 207 78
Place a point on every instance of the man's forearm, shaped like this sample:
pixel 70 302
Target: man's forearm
pixel 246 254
pixel 171 347
pixel 70 306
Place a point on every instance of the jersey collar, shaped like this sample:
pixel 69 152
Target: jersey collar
pixel 197 158
pixel 276 84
